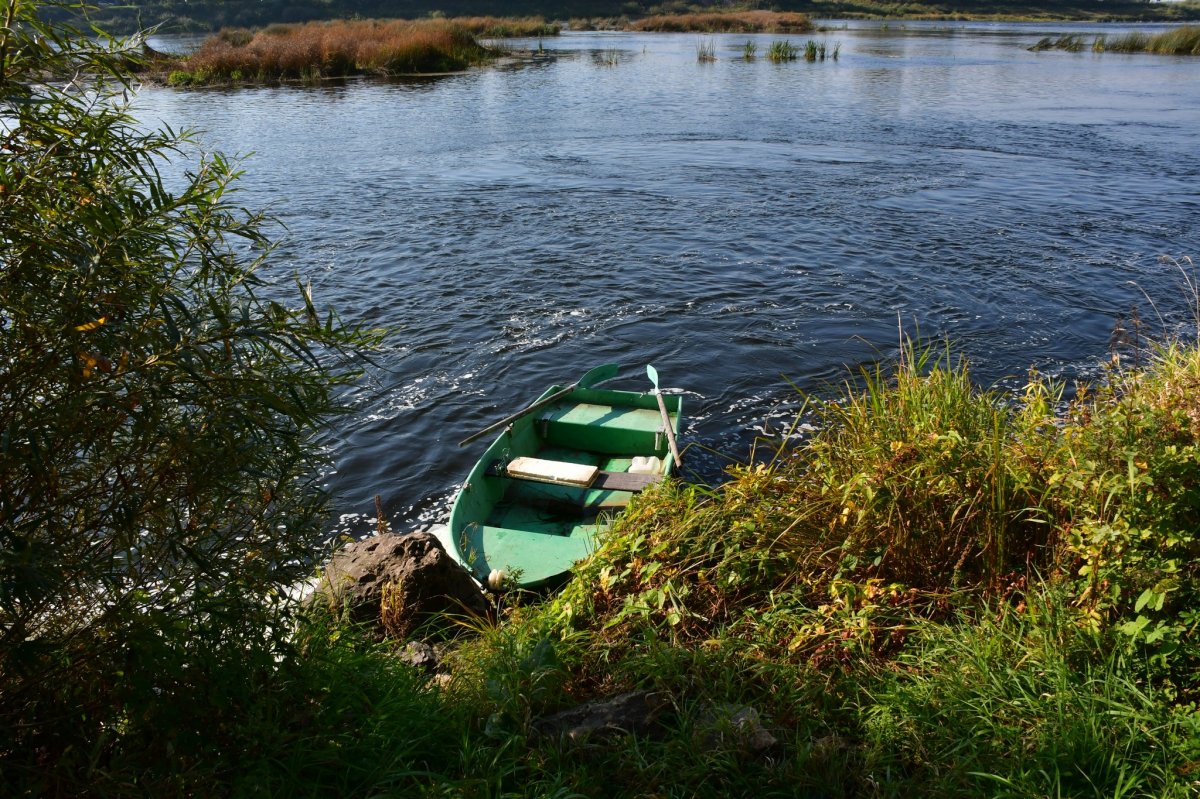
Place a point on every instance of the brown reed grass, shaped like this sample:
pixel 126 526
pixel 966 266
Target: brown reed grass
pixel 332 49
pixel 505 27
pixel 733 22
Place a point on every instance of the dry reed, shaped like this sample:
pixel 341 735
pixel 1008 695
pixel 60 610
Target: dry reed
pixel 333 49
pixel 504 27
pixel 740 22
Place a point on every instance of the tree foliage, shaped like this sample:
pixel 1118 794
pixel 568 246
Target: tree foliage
pixel 158 400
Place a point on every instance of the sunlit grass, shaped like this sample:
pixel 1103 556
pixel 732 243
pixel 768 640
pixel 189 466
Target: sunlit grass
pixel 706 50
pixel 333 49
pixel 1180 41
pixel 783 51
pixel 1071 42
pixel 1183 40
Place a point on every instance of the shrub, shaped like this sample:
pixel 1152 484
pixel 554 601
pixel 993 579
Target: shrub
pixel 160 482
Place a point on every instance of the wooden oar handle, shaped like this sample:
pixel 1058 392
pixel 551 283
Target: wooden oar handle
pixel 662 408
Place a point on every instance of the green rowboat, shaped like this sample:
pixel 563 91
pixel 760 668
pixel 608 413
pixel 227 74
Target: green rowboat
pixel 556 477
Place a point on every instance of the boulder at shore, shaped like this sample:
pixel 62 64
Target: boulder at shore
pixel 420 579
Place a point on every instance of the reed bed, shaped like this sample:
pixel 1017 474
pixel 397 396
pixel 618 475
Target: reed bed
pixel 739 22
pixel 783 51
pixel 1071 42
pixel 505 27
pixel 1180 41
pixel 706 50
pixel 332 49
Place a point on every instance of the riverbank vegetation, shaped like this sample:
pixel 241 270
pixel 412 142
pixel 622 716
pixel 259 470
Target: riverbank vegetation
pixel 924 587
pixel 1184 40
pixel 318 50
pixel 743 22
pixel 1181 41
pixel 211 15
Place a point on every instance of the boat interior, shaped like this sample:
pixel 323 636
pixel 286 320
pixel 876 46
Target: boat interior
pixel 550 497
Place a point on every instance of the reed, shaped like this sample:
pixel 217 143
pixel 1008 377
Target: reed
pixel 610 56
pixel 1071 42
pixel 730 22
pixel 783 51
pixel 505 27
pixel 333 49
pixel 750 50
pixel 706 50
pixel 1184 40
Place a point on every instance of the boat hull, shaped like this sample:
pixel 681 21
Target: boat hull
pixel 533 531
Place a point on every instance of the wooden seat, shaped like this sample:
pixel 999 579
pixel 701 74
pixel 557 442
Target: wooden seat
pixel 539 470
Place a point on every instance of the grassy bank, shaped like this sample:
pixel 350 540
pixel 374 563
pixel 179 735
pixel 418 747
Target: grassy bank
pixel 941 591
pixel 741 22
pixel 318 50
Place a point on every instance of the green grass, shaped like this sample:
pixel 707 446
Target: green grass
pixel 783 51
pixel 1180 41
pixel 706 50
pixel 942 591
pixel 1184 40
pixel 1071 42
pixel 749 49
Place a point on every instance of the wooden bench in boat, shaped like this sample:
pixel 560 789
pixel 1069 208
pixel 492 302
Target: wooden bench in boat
pixel 539 470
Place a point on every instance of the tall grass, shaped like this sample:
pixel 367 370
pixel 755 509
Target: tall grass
pixel 1024 704
pixel 706 50
pixel 729 22
pixel 1184 40
pixel 505 27
pixel 333 49
pixel 749 49
pixel 783 51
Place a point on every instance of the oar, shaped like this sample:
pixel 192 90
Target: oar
pixel 598 375
pixel 652 373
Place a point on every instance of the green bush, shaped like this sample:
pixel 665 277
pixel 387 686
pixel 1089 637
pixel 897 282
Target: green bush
pixel 160 481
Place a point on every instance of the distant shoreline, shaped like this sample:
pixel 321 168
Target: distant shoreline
pixel 209 16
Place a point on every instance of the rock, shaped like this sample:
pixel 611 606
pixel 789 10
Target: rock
pixel 633 713
pixel 734 726
pixel 421 656
pixel 416 576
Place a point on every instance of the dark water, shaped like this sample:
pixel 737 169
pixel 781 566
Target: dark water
pixel 733 223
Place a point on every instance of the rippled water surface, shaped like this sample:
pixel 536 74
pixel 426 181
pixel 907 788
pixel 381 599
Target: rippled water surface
pixel 733 223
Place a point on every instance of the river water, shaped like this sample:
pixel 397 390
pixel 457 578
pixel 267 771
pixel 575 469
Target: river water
pixel 739 224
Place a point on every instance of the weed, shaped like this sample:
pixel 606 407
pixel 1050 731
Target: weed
pixel 1184 40
pixel 1071 42
pixel 750 49
pixel 706 50
pixel 783 51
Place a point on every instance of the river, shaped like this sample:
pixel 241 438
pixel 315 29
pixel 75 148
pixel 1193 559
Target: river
pixel 739 224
